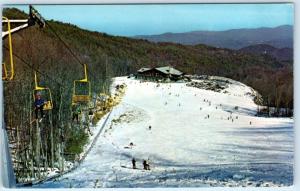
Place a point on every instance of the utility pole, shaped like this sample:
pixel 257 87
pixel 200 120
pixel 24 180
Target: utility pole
pixel 8 178
pixel 6 170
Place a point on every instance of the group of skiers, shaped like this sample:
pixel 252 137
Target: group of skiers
pixel 146 165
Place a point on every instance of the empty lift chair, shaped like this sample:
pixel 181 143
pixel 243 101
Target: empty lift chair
pixel 8 75
pixel 82 89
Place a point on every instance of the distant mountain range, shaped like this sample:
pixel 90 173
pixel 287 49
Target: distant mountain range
pixel 278 37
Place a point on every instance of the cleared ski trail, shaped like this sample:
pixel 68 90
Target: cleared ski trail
pixel 186 147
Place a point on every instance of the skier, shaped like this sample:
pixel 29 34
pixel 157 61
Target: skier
pixel 131 144
pixel 145 165
pixel 133 163
pixel 39 105
pixel 148 164
pixel 150 127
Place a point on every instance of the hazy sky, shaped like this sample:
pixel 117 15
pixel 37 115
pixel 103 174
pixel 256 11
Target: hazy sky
pixel 129 20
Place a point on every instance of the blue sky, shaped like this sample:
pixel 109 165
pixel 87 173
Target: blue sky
pixel 130 20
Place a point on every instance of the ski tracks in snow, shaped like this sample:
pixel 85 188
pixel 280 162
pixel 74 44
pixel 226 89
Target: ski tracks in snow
pixel 185 146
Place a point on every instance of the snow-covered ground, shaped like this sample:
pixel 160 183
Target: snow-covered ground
pixel 197 138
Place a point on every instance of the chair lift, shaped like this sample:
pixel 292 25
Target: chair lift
pixel 45 94
pixel 82 89
pixel 34 17
pixel 5 75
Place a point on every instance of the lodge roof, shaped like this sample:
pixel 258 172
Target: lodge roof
pixel 144 69
pixel 168 70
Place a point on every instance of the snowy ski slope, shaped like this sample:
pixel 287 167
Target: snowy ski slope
pixel 185 147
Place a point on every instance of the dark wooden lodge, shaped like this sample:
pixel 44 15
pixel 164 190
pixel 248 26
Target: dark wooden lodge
pixel 166 73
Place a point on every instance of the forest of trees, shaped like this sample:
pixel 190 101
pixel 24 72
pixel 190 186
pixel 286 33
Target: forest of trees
pixel 108 56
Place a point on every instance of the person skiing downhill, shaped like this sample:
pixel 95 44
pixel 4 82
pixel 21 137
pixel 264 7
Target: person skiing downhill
pixel 133 163
pixel 39 105
pixel 148 164
pixel 145 164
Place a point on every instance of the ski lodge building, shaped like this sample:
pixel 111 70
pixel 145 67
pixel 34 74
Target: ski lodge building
pixel 165 73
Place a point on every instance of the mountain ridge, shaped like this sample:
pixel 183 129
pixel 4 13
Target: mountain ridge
pixel 279 37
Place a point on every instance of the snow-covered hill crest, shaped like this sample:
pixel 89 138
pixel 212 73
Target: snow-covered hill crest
pixel 197 137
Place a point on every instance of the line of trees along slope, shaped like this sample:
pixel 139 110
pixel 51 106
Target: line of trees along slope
pixel 108 56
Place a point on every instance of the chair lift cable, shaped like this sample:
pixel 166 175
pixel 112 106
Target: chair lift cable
pixel 69 49
pixel 34 69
